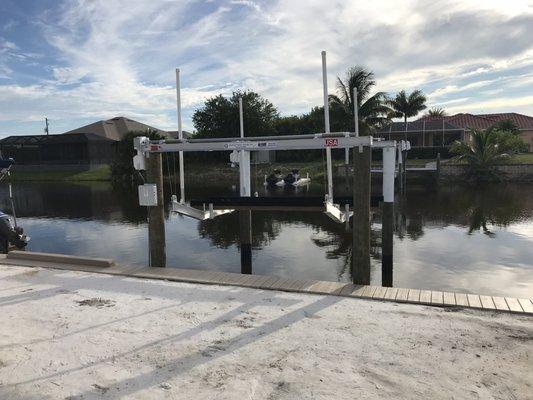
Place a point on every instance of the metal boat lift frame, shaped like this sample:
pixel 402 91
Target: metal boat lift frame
pixel 241 148
pixel 346 140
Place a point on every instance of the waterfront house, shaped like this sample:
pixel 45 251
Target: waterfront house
pixel 443 131
pixel 81 148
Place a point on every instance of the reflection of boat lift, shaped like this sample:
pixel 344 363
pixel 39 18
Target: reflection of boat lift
pixel 241 148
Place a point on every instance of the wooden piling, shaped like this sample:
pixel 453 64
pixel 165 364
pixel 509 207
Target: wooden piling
pixel 437 174
pixel 156 215
pixel 387 230
pixel 361 216
pixel 245 228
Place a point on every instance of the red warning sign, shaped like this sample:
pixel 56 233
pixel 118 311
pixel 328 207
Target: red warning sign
pixel 332 142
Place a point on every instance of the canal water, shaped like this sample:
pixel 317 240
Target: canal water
pixel 456 238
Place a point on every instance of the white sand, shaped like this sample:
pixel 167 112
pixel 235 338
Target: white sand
pixel 147 339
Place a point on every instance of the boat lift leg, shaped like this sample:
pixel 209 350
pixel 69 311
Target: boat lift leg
pixel 244 174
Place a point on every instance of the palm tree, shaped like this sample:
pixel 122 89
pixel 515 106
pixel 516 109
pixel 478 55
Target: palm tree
pixel 437 112
pixel 373 110
pixel 405 106
pixel 483 151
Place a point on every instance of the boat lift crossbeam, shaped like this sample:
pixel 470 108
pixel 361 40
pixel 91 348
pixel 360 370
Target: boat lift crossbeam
pixel 293 142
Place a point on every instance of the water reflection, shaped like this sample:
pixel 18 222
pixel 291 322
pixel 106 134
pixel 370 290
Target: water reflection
pixel 452 238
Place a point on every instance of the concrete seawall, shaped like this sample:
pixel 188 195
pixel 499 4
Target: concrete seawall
pixel 508 173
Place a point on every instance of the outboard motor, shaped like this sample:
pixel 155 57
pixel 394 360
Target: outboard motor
pixel 10 235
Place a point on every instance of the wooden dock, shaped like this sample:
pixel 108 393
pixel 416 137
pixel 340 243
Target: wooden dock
pixel 394 294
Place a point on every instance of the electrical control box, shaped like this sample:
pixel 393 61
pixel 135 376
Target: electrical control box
pixel 148 195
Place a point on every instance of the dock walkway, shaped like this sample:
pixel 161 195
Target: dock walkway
pixel 391 294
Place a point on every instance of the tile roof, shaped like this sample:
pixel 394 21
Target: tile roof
pixel 523 121
pixel 483 121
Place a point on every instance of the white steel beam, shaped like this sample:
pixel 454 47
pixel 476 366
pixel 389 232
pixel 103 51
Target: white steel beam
pixel 180 135
pixel 329 166
pixel 251 144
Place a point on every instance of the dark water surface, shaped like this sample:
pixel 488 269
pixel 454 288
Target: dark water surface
pixel 469 239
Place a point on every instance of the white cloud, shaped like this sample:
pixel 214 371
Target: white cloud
pixel 127 66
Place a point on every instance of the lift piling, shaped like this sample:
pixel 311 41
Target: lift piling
pixel 156 214
pixel 362 157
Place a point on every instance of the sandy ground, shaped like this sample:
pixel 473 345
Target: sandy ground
pixel 73 335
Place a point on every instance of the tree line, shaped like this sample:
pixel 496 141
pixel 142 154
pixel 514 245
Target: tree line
pixel 219 116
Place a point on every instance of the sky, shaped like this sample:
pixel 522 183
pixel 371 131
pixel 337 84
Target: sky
pixel 79 61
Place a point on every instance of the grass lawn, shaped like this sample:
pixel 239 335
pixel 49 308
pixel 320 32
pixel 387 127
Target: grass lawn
pixel 97 174
pixel 526 158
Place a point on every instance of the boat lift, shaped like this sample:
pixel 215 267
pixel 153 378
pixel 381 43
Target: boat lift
pixel 241 148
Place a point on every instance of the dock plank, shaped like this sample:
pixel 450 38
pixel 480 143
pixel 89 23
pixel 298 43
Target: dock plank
pixel 449 298
pixel 347 289
pixel 425 296
pixel 391 293
pixel 402 294
pixel 414 295
pixel 379 293
pixel 487 303
pixel 358 291
pixel 369 291
pixel 513 304
pixel 473 301
pixel 268 284
pixel 437 297
pixel 526 304
pixel 500 303
pixel 461 299
pixel 258 281
pixel 303 285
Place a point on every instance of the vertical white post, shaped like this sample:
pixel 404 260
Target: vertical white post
pixel 400 164
pixel 356 112
pixel 244 174
pixel 241 119
pixel 180 136
pixel 347 154
pixel 326 126
pixel 244 162
pixel 389 161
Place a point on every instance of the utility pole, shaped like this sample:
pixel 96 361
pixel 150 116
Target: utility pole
pixel 46 126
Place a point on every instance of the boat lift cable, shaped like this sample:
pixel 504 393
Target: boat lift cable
pixel 174 172
pixel 325 168
pixel 169 174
